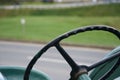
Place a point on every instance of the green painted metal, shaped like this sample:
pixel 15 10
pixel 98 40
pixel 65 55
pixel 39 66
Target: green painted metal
pixel 84 77
pixel 117 78
pixel 102 69
pixel 16 73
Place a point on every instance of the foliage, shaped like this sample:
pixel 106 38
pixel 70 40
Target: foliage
pixel 96 10
pixel 2 2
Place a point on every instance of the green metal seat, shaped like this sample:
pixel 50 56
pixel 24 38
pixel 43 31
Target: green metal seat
pixel 109 70
pixel 17 73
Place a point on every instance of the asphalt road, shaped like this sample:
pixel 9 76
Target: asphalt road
pixel 58 5
pixel 52 63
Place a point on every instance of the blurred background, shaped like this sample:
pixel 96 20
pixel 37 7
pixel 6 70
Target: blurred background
pixel 62 1
pixel 27 25
pixel 42 20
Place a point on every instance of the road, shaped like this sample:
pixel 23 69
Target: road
pixel 55 6
pixel 52 63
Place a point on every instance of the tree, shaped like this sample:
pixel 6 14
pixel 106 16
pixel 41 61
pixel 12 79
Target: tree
pixel 2 2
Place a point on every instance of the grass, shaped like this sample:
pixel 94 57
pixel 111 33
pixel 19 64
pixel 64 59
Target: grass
pixel 46 28
pixel 96 10
pixel 45 25
pixel 86 11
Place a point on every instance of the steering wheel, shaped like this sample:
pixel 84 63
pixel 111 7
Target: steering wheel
pixel 77 70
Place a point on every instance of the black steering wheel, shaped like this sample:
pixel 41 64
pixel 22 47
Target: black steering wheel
pixel 76 69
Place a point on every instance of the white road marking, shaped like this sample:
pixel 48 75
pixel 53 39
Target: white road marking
pixel 55 60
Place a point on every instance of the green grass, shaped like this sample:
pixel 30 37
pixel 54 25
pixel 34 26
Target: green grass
pixel 86 11
pixel 45 25
pixel 46 28
pixel 96 10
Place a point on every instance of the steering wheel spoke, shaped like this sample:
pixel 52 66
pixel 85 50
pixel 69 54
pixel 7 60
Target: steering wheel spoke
pixel 76 69
pixel 69 60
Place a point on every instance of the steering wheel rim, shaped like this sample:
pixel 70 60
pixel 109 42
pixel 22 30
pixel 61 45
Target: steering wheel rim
pixel 55 43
